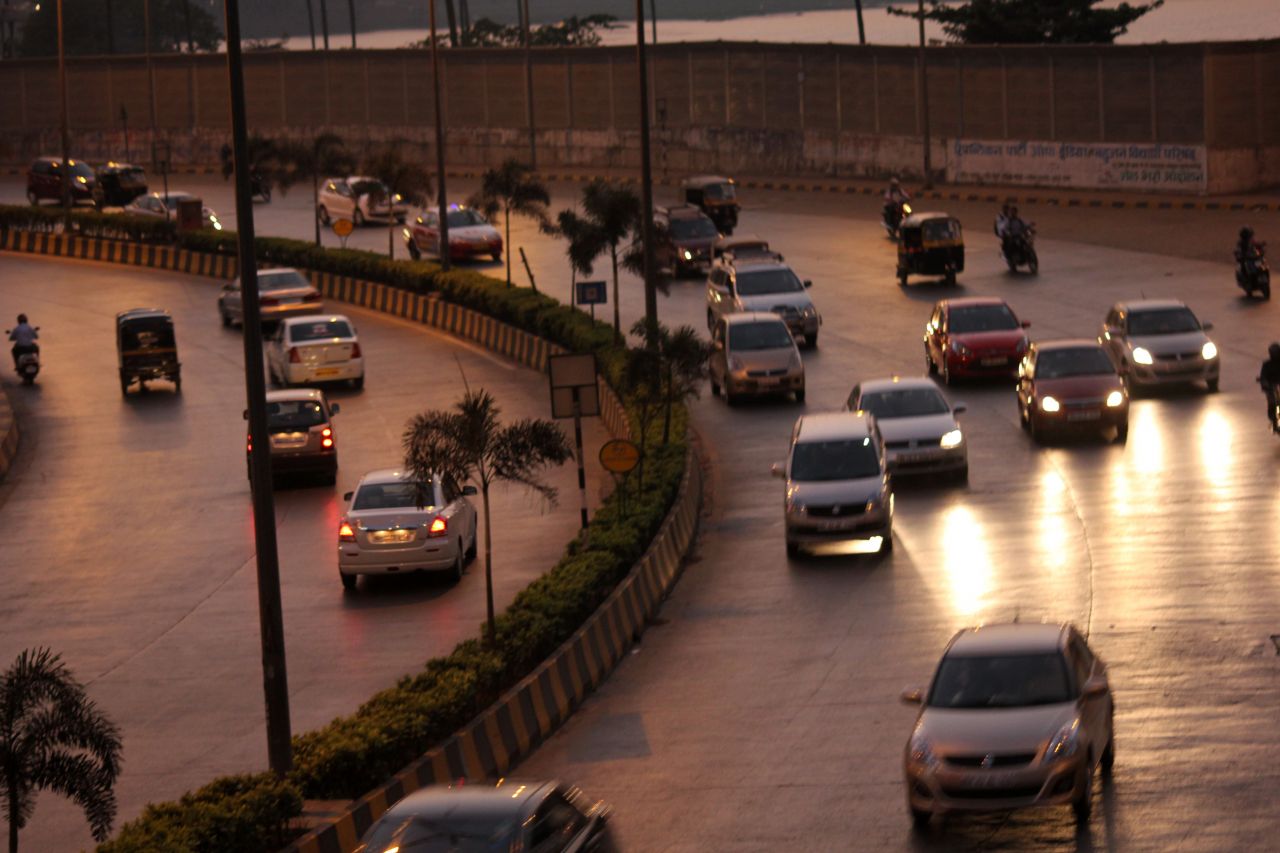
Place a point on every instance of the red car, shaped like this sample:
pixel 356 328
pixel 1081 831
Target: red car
pixel 44 181
pixel 1071 385
pixel 979 336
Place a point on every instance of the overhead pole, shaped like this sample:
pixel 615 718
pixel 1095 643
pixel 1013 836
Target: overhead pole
pixel 646 186
pixel 653 19
pixel 311 23
pixel 528 84
pixel 862 32
pixel 66 127
pixel 351 11
pixel 151 74
pixel 324 22
pixel 924 101
pixel 442 199
pixel 275 681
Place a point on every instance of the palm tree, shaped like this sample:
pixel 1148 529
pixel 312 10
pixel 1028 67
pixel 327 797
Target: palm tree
pixel 468 444
pixel 585 244
pixel 324 156
pixel 511 188
pixel 684 357
pixel 52 737
pixel 409 181
pixel 615 211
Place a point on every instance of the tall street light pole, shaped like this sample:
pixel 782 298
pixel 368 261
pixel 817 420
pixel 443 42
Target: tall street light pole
pixel 646 184
pixel 924 101
pixel 324 22
pixel 862 33
pixel 442 199
pixel 151 71
pixel 653 19
pixel 66 126
pixel 275 681
pixel 528 84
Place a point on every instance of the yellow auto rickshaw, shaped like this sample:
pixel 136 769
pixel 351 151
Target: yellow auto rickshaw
pixel 930 244
pixel 717 197
pixel 146 348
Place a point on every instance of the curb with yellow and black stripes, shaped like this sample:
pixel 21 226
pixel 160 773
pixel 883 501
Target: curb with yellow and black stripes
pixel 8 436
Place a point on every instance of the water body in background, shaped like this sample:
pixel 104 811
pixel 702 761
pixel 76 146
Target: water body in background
pixel 1176 21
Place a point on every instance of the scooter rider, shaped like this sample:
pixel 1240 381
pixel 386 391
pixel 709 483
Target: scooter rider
pixel 24 339
pixel 896 195
pixel 1269 377
pixel 1248 251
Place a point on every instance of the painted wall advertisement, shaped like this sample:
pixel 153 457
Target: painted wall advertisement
pixel 1082 165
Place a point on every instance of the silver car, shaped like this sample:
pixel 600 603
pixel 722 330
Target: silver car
pixel 754 354
pixel 300 425
pixel 1017 715
pixel 386 531
pixel 921 435
pixel 1160 342
pixel 283 292
pixel 763 284
pixel 837 486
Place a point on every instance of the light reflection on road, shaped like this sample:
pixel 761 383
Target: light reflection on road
pixel 966 560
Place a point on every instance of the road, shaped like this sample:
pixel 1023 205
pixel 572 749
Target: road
pixel 132 552
pixel 761 712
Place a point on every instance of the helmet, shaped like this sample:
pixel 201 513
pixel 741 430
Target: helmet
pixel 1246 234
pixel 22 318
pixel 1274 352
pixel 893 182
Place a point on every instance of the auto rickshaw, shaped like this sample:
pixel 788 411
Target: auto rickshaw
pixel 930 244
pixel 147 349
pixel 717 197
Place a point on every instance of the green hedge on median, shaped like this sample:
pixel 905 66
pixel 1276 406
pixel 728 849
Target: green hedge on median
pixel 86 222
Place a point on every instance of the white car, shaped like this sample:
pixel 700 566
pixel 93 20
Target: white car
pixel 921 435
pixel 359 199
pixel 470 235
pixel 763 283
pixel 163 206
pixel 315 348
pixel 385 531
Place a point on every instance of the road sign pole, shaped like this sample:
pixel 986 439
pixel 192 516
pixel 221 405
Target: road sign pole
pixel 577 437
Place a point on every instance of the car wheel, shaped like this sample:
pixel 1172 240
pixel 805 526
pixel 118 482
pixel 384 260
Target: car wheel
pixel 33 198
pixel 414 251
pixel 348 581
pixel 715 387
pixel 1036 431
pixel 226 320
pixel 1212 385
pixel 497 257
pixel 886 542
pixel 902 278
pixel 1266 289
pixel 919 818
pixel 1122 433
pixel 357 218
pixel 793 550
pixel 945 371
pixel 711 320
pixel 930 368
pixel 800 396
pixel 950 278
pixel 730 398
pixel 455 573
pixel 177 384
pixel 323 213
pixel 961 476
pixel 358 383
pixel 811 341
pixel 1082 803
pixel 330 477
pixel 474 549
pixel 124 386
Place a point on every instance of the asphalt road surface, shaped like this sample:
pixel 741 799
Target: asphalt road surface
pixel 762 712
pixel 132 547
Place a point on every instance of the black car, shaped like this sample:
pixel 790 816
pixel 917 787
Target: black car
pixel 683 239
pixel 118 184
pixel 511 816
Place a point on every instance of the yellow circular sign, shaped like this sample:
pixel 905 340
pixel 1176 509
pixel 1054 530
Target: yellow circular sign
pixel 343 227
pixel 619 456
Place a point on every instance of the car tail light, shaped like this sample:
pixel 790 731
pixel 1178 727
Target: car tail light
pixel 295 357
pixel 439 527
pixel 268 300
pixel 248 440
pixel 346 533
pixel 355 350
pixel 313 296
pixel 326 438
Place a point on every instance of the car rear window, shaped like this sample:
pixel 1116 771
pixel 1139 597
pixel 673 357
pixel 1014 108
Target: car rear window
pixel 1078 361
pixel 847 459
pixel 767 334
pixel 1000 681
pixel 281 280
pixel 320 329
pixel 294 414
pixel 903 403
pixel 982 318
pixel 386 496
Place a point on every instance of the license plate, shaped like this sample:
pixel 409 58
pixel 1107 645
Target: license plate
pixel 1083 416
pixel 327 371
pixel 391 537
pixel 913 457
pixel 290 300
pixel 994 362
pixel 832 525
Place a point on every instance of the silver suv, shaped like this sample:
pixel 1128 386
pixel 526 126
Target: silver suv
pixel 762 283
pixel 837 486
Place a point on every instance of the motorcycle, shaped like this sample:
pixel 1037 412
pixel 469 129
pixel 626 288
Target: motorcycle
pixel 1252 274
pixel 1273 395
pixel 1020 251
pixel 894 213
pixel 28 364
pixel 259 187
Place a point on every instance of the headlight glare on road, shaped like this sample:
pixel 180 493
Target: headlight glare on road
pixel 1209 350
pixel 1064 743
pixel 1049 404
pixel 952 439
pixel 921 750
pixel 1114 399
pixel 1141 355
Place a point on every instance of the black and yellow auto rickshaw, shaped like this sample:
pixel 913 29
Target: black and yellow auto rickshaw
pixel 717 197
pixel 147 349
pixel 930 244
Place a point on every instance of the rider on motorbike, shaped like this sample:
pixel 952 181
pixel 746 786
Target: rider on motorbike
pixel 895 194
pixel 1269 378
pixel 24 339
pixel 1248 251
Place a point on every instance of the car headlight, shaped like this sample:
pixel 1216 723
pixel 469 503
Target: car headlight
pixel 398 197
pixel 1141 355
pixel 1064 743
pixel 959 348
pixel 920 750
pixel 1115 398
pixel 688 256
pixel 735 363
pixel 794 505
pixel 952 438
pixel 1209 350
pixel 810 311
pixel 1049 404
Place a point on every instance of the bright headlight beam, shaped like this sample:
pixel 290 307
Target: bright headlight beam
pixel 1049 404
pixel 1115 398
pixel 1141 355
pixel 1209 350
pixel 952 438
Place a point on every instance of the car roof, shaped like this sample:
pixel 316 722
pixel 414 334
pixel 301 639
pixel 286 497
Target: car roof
pixel 475 802
pixel 686 211
pixel 1150 304
pixel 708 179
pixel 289 394
pixel 134 313
pixel 312 318
pixel 892 382
pixel 917 218
pixel 1008 638
pixel 971 301
pixel 740 317
pixel 830 426
pixel 728 242
pixel 1066 343
pixel 759 263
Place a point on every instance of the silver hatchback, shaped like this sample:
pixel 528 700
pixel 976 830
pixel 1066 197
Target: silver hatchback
pixel 1160 342
pixel 281 293
pixel 754 354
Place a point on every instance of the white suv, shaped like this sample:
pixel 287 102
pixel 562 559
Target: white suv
pixel 763 284
pixel 359 199
pixel 837 485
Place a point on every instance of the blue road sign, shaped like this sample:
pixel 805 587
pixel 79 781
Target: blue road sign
pixel 592 293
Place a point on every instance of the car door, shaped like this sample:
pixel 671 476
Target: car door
pixel 275 349
pixel 1094 710
pixel 458 512
pixel 1026 381
pixel 429 232
pixel 231 301
pixel 935 345
pixel 1113 335
pixel 718 363
pixel 717 295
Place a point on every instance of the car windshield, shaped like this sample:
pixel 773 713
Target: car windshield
pixel 762 282
pixel 375 188
pixel 1166 321
pixel 693 229
pixel 1003 681
pixel 320 330
pixel 294 414
pixel 386 496
pixel 452 833
pixel 465 219
pixel 281 280
pixel 1078 361
pixel 981 318
pixel 903 403
pixel 765 334
pixel 848 459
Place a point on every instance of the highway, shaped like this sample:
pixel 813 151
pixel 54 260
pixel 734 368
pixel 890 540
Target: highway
pixel 762 713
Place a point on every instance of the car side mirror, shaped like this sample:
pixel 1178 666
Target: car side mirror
pixel 1208 327
pixel 246 414
pixel 912 696
pixel 335 408
pixel 469 491
pixel 346 496
pixel 808 282
pixel 1026 324
pixel 1096 686
pixel 959 408
pixel 778 469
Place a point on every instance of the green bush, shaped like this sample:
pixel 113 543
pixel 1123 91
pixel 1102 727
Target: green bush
pixel 87 223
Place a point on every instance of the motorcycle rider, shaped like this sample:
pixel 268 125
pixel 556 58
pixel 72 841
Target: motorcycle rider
pixel 24 339
pixel 895 197
pixel 1015 232
pixel 1248 252
pixel 1269 377
pixel 1001 226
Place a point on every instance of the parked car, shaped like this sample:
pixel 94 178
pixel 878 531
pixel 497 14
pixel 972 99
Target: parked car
pixel 754 354
pixel 117 184
pixel 359 199
pixel 165 206
pixel 684 239
pixel 763 285
pixel 1017 715
pixel 977 336
pixel 315 348
pixel 1071 385
pixel 837 484
pixel 1160 342
pixel 470 235
pixel 508 817
pixel 385 529
pixel 300 423
pixel 282 293
pixel 44 181
pixel 918 425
